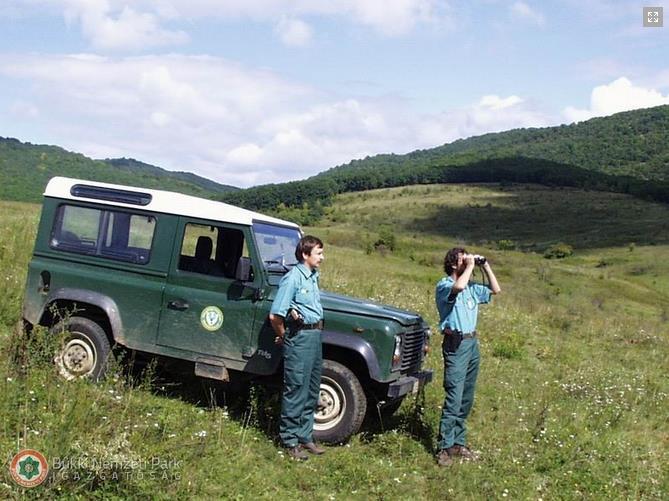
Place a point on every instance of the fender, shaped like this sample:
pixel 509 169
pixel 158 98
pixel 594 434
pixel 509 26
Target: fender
pixel 360 346
pixel 105 303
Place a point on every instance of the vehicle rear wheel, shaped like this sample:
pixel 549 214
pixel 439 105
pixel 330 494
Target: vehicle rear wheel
pixel 85 349
pixel 341 405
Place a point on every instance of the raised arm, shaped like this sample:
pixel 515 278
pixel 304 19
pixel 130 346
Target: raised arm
pixel 494 285
pixel 463 279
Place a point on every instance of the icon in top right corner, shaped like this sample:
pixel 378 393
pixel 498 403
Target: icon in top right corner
pixel 653 17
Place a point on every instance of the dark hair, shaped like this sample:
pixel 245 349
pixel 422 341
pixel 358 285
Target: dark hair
pixel 451 259
pixel 306 245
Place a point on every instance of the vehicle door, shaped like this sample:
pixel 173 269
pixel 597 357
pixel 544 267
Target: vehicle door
pixel 274 245
pixel 205 309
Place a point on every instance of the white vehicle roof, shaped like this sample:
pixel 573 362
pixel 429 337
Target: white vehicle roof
pixel 167 202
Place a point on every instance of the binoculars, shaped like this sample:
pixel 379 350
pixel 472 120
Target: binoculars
pixel 479 260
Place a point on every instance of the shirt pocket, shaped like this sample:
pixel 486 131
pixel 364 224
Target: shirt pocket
pixel 303 295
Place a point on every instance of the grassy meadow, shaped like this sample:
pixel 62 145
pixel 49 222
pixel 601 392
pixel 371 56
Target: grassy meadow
pixel 572 399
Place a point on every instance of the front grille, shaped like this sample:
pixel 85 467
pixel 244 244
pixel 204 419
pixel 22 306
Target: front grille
pixel 412 349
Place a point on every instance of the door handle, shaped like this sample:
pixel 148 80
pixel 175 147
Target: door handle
pixel 178 304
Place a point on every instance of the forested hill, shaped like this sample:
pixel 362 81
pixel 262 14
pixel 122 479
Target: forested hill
pixel 626 152
pixel 634 143
pixel 25 169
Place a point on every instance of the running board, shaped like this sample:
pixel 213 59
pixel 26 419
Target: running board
pixel 212 369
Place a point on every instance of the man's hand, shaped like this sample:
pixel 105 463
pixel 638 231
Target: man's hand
pixel 279 325
pixel 463 279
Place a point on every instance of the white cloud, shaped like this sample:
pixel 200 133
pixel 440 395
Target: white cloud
pixel 395 17
pixel 490 114
pixel 521 10
pixel 119 27
pixel 246 154
pixel 229 123
pixel 161 119
pixel 141 24
pixel 497 103
pixel 293 32
pixel 619 95
pixel 390 17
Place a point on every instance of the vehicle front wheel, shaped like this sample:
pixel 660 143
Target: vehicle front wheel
pixel 84 351
pixel 341 405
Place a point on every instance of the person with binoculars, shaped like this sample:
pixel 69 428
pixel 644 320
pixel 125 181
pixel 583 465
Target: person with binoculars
pixel 457 301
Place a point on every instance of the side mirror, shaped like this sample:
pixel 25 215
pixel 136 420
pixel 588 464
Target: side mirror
pixel 244 271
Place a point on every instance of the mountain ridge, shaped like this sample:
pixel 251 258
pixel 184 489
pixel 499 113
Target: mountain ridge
pixel 627 152
pixel 25 169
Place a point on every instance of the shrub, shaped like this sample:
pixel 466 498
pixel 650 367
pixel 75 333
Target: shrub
pixel 559 251
pixel 386 240
pixel 506 245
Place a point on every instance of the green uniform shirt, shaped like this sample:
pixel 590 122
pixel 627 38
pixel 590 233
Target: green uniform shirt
pixel 298 289
pixel 460 311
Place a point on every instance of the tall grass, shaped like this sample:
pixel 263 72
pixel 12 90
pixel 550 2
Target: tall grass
pixel 572 399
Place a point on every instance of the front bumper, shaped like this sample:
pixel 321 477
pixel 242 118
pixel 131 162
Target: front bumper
pixel 409 384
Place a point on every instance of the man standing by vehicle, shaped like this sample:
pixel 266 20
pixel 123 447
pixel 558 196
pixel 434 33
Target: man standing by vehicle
pixel 297 319
pixel 458 301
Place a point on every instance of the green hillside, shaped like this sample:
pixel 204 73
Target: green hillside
pixel 25 169
pixel 632 143
pixel 625 153
pixel 135 166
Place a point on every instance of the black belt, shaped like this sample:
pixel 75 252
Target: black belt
pixel 465 335
pixel 304 327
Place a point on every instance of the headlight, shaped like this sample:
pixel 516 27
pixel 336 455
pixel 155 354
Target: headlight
pixel 397 352
pixel 426 341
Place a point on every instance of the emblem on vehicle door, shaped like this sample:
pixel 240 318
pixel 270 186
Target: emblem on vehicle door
pixel 211 318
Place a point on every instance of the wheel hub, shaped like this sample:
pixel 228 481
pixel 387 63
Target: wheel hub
pixel 78 357
pixel 331 405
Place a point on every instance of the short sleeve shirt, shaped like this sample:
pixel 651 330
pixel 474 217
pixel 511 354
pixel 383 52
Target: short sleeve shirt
pixel 460 311
pixel 299 289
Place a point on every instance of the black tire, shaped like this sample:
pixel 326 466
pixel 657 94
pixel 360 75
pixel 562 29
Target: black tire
pixel 342 404
pixel 85 349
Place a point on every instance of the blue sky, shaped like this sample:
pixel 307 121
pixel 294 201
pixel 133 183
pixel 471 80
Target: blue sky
pixel 248 92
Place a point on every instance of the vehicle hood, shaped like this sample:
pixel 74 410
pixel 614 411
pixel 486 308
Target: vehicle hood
pixel 366 307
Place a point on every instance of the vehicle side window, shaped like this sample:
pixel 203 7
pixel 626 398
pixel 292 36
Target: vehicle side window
pixel 211 250
pixel 116 235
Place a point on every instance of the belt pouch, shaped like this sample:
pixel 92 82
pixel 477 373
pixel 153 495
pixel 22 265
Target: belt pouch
pixel 452 340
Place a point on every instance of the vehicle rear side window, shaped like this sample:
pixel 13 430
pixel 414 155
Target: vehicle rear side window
pixel 121 236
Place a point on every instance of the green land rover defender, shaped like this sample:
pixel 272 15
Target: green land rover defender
pixel 193 279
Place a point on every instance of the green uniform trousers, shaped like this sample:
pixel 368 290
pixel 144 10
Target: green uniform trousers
pixel 460 371
pixel 302 366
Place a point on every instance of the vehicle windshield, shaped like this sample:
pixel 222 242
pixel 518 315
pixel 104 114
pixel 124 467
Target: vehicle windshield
pixel 277 246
